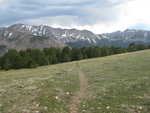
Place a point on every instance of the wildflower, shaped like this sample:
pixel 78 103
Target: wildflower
pixel 56 97
pixel 67 93
pixel 108 107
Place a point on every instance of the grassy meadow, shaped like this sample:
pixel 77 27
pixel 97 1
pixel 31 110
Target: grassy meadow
pixel 112 84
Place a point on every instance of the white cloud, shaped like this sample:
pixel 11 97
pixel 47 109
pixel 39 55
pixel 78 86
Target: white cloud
pixel 138 11
pixel 132 13
pixel 1 1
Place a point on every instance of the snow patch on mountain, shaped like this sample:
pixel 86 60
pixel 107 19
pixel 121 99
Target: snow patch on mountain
pixel 66 36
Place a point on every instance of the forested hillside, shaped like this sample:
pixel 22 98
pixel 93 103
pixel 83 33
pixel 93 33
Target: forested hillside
pixel 32 58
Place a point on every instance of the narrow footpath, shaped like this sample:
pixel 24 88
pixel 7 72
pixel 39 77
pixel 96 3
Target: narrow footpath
pixel 81 94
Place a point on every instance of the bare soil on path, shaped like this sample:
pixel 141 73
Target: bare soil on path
pixel 81 94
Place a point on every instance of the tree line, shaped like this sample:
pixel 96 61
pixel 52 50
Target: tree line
pixel 31 58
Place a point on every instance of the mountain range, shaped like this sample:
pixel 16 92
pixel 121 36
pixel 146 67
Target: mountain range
pixel 23 36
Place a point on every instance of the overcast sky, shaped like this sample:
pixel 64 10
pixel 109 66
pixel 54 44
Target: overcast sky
pixel 98 16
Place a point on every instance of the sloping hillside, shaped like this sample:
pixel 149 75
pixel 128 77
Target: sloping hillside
pixel 114 84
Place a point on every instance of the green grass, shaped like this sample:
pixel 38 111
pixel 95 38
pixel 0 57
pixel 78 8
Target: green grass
pixel 116 84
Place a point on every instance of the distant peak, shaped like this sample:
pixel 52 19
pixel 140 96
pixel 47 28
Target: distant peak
pixel 14 25
pixel 129 30
pixel 134 30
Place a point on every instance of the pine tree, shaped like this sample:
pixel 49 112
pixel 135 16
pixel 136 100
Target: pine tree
pixel 32 64
pixel 38 57
pixel 7 64
pixel 76 54
pixel 13 59
pixel 66 54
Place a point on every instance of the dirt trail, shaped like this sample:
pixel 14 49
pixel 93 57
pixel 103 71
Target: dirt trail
pixel 81 94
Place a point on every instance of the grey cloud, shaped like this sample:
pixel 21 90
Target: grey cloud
pixel 85 12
